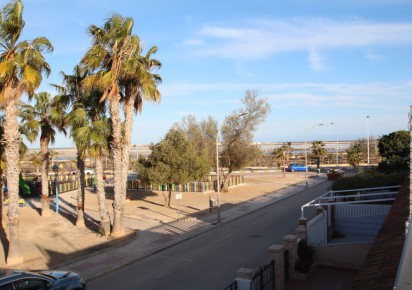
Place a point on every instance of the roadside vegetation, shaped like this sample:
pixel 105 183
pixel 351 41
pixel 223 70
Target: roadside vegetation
pixel 369 178
pixel 394 149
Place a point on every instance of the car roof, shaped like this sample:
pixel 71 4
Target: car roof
pixel 7 275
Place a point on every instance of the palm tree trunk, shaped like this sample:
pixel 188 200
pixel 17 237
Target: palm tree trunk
pixel 13 139
pixel 119 194
pixel 128 125
pixel 101 197
pixel 44 147
pixel 81 190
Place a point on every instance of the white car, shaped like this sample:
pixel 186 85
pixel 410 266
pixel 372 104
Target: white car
pixel 88 171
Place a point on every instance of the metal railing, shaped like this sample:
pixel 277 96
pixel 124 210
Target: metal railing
pixel 264 278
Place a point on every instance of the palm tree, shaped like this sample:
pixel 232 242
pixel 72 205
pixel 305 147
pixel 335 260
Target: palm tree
pixel 85 120
pixel 138 83
pixel 71 97
pixel 46 115
pixel 279 155
pixel 92 137
pixel 113 45
pixel 318 149
pixel 21 67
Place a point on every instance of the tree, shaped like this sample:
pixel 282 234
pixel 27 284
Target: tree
pixel 202 135
pixel 281 154
pixel 118 71
pixel 21 67
pixel 237 134
pixel 90 131
pixel 93 138
pixel 355 155
pixel 173 161
pixel 318 150
pixel 46 116
pixel 394 149
pixel 138 83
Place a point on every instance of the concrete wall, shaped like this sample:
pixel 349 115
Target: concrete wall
pixel 342 256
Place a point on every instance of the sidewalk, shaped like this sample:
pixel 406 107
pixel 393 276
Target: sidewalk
pixel 166 235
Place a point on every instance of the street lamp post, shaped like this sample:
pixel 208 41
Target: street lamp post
pixel 337 145
pixel 367 129
pixel 306 153
pixel 218 176
pixel 56 172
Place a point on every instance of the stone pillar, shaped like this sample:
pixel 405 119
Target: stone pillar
pixel 291 244
pixel 244 278
pixel 277 253
pixel 303 222
pixel 301 232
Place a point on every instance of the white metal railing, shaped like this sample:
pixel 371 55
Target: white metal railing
pixel 361 195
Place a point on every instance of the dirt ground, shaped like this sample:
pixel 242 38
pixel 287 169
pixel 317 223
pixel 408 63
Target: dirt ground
pixel 47 242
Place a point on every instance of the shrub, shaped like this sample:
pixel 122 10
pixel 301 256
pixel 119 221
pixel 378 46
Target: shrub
pixel 369 178
pixel 305 257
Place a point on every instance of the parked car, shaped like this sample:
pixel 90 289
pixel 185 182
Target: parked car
pixel 88 171
pixel 297 167
pixel 48 279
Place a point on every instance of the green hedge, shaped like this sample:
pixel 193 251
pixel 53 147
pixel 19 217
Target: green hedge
pixel 368 179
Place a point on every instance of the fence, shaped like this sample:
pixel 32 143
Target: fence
pixel 232 286
pixel 264 278
pixel 360 219
pixel 194 186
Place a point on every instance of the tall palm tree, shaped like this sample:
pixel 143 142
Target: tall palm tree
pixel 21 67
pixel 92 137
pixel 113 45
pixel 71 97
pixel 319 150
pixel 86 113
pixel 138 83
pixel 46 115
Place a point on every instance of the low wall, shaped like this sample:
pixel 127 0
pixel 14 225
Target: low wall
pixel 342 256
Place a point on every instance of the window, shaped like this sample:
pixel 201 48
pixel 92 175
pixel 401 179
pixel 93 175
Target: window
pixel 8 286
pixel 30 284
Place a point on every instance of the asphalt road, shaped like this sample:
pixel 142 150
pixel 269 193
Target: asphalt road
pixel 210 260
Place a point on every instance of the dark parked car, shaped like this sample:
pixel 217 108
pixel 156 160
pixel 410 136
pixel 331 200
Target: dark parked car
pixel 297 167
pixel 48 279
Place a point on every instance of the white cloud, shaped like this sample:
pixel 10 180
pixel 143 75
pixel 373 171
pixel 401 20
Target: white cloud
pixel 316 61
pixel 241 71
pixel 293 95
pixel 264 38
pixel 193 42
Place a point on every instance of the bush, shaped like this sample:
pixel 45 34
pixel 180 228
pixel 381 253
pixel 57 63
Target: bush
pixel 305 257
pixel 369 178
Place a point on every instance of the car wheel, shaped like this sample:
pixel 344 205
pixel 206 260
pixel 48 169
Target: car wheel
pixel 293 170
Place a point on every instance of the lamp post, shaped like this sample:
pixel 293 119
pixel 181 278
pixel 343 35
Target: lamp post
pixel 218 176
pixel 367 129
pixel 306 153
pixel 337 145
pixel 56 172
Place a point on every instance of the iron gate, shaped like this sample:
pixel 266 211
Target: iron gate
pixel 232 286
pixel 264 278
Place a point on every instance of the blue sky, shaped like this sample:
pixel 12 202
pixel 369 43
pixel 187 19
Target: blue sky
pixel 317 61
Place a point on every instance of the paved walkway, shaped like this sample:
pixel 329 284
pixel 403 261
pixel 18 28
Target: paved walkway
pixel 163 235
